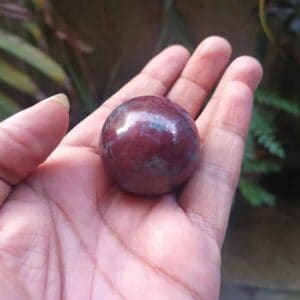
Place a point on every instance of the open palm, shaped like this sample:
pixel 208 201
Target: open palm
pixel 68 232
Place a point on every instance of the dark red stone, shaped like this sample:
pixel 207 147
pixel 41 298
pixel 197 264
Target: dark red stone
pixel 149 145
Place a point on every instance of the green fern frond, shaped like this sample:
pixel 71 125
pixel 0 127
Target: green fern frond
pixel 261 166
pixel 255 194
pixel 264 132
pixel 280 103
pixel 270 143
pixel 250 147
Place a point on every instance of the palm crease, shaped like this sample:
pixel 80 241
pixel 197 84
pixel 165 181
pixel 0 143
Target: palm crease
pixel 68 232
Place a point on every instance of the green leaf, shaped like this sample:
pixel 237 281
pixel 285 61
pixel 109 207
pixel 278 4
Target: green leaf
pixel 261 166
pixel 84 95
pixel 264 132
pixel 34 57
pixel 7 106
pixel 280 103
pixel 255 194
pixel 17 79
pixel 33 28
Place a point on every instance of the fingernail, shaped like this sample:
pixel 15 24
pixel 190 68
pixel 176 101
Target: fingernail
pixel 61 99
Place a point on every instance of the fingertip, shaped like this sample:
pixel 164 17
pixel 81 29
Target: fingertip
pixel 176 53
pixel 56 112
pixel 167 65
pixel 248 69
pixel 208 62
pixel 61 99
pixel 179 50
pixel 217 43
pixel 244 70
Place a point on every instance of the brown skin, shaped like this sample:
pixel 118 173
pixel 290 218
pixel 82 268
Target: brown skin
pixel 67 232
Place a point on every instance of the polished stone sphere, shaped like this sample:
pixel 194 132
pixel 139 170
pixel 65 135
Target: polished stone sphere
pixel 149 145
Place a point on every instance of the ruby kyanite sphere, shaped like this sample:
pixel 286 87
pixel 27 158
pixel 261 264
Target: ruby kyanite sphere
pixel 149 145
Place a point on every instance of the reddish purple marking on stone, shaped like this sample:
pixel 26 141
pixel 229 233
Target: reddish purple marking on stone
pixel 149 145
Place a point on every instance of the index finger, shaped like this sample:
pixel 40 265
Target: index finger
pixel 155 79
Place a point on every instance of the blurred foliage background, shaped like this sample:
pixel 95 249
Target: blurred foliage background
pixel 88 50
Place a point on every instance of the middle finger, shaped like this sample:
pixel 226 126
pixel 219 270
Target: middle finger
pixel 200 74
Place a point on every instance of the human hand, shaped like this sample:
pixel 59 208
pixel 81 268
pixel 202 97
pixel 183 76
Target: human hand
pixel 68 232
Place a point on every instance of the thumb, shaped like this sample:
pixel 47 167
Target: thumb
pixel 27 138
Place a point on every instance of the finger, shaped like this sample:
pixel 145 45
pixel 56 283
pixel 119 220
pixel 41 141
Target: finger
pixel 244 69
pixel 27 138
pixel 200 74
pixel 155 79
pixel 208 195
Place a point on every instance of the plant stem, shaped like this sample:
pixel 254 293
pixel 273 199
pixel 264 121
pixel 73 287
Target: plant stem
pixel 263 21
